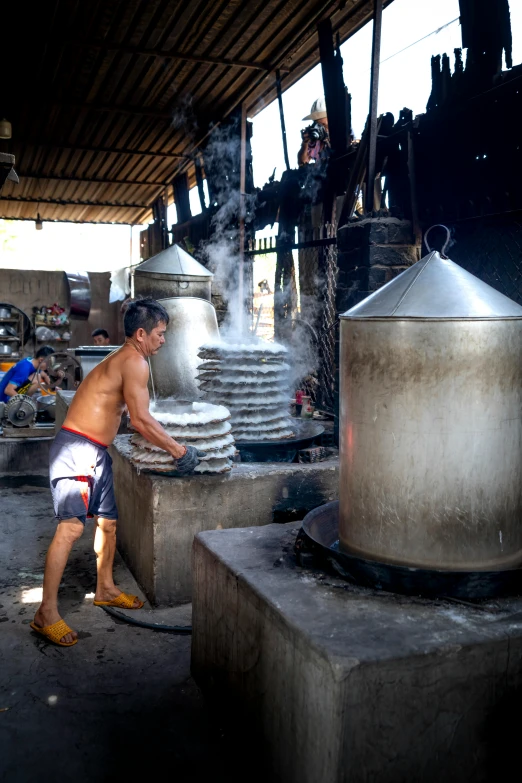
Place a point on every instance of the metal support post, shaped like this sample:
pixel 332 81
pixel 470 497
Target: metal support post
pixel 282 118
pixel 374 96
pixel 242 185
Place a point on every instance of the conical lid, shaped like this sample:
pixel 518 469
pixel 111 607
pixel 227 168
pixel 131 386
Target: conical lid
pixel 436 287
pixel 176 263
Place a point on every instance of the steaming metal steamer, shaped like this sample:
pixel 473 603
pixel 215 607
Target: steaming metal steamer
pixel 183 287
pixel 431 423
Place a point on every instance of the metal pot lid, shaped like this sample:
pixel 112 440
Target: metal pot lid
pixel 175 263
pixel 436 287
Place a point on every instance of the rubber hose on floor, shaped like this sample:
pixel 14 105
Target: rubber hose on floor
pixel 179 629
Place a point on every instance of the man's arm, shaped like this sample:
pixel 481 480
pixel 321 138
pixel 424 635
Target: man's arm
pixel 10 390
pixel 136 395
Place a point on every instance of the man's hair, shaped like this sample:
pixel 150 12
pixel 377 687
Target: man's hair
pixel 143 314
pixel 126 302
pixel 44 351
pixel 103 332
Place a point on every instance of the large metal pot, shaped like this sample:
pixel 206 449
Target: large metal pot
pixel 172 273
pixel 431 422
pixel 5 349
pixel 8 331
pixel 174 368
pixel 5 312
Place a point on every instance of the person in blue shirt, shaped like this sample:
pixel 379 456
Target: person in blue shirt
pixel 22 377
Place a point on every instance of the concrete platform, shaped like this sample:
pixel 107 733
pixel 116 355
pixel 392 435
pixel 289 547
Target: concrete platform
pixel 159 516
pixel 329 683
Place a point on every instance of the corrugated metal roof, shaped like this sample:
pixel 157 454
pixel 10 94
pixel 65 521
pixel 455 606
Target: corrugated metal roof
pixel 109 99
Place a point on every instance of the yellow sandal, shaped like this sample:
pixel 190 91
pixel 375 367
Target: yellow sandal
pixel 55 632
pixel 122 601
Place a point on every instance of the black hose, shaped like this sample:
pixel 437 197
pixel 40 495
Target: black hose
pixel 179 629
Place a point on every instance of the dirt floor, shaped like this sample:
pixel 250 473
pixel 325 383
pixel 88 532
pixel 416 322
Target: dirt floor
pixel 118 705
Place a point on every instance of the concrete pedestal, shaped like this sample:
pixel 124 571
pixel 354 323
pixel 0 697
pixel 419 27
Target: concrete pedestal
pixel 331 683
pixel 159 516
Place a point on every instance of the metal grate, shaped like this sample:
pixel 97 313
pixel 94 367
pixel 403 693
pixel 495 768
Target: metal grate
pixel 326 338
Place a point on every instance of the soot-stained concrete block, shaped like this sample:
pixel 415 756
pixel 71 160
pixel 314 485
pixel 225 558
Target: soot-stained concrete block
pixel 331 683
pixel 24 455
pixel 159 516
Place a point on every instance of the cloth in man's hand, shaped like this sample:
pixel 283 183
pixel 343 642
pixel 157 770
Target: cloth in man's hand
pixel 189 461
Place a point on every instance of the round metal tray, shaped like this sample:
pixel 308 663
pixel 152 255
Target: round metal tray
pixel 317 545
pixel 281 450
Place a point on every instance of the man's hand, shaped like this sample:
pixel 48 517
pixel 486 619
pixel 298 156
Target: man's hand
pixel 302 156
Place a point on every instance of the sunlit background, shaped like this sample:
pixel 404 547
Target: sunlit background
pixel 405 80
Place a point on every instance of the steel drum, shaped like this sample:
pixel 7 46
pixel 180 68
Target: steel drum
pixel 431 423
pixel 174 368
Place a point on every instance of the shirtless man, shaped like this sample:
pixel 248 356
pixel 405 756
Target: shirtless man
pixel 80 466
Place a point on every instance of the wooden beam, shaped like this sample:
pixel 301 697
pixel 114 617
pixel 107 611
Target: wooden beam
pixel 171 56
pixel 72 203
pixel 61 220
pixel 105 150
pixel 374 97
pixel 92 181
pixel 282 117
pixel 111 108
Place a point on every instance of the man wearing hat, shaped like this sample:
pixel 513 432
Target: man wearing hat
pixel 315 136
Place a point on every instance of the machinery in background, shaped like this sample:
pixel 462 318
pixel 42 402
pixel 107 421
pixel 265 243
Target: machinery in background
pixel 32 417
pixel 91 355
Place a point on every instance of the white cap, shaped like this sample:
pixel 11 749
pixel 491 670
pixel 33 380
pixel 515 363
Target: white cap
pixel 318 110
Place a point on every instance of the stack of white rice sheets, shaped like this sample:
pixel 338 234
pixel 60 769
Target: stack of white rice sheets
pixel 200 424
pixel 252 381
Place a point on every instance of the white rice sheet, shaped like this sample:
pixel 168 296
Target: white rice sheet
pixel 229 451
pixel 257 347
pixel 230 390
pixel 146 457
pixel 254 417
pixel 204 413
pixel 214 466
pixel 253 400
pixel 262 436
pixel 249 368
pixel 205 444
pixel 280 424
pixel 199 433
pixel 235 378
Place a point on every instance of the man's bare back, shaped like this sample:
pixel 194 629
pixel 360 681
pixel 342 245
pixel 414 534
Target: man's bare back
pixel 98 404
pixel 120 379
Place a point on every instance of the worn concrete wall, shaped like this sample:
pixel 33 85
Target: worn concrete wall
pixel 159 516
pixel 371 252
pixel 346 685
pixel 28 288
pixel 24 455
